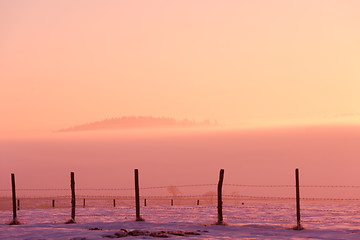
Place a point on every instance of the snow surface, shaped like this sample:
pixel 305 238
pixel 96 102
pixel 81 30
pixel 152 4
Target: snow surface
pixel 249 221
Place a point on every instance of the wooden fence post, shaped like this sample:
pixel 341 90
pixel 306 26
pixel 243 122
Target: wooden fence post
pixel 137 196
pixel 53 203
pixel 18 204
pixel 145 202
pixel 84 203
pixel 198 202
pixel 73 199
pixel 114 203
pixel 172 202
pixel 220 213
pixel 298 222
pixel 14 221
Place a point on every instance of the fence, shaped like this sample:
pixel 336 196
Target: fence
pixel 271 203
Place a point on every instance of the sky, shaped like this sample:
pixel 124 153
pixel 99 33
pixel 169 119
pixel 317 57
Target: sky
pixel 242 63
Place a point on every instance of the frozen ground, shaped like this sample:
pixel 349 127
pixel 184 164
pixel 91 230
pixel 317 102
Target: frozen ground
pixel 249 221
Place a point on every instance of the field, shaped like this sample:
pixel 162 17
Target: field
pixel 251 220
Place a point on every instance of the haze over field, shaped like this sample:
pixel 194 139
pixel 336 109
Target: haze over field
pixel 325 155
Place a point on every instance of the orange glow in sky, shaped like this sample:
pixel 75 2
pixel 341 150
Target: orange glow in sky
pixel 242 63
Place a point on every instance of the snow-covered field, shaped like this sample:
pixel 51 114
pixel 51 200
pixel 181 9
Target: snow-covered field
pixel 253 220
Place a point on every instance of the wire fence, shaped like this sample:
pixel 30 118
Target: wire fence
pixel 232 192
pixel 321 205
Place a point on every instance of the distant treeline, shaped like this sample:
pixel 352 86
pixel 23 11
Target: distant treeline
pixel 136 122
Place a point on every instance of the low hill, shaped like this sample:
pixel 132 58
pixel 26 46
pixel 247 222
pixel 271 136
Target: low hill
pixel 135 122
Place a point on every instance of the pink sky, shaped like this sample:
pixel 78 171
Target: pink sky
pixel 243 63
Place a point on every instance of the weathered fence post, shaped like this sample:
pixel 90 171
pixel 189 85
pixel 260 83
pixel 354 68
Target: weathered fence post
pixel 84 203
pixel 172 202
pixel 14 221
pixel 137 196
pixel 220 214
pixel 114 203
pixel 298 222
pixel 53 203
pixel 145 202
pixel 73 200
pixel 198 202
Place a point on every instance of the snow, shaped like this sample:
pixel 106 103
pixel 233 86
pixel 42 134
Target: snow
pixel 253 220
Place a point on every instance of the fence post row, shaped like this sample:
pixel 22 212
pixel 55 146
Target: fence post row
pixel 137 200
pixel 220 213
pixel 137 196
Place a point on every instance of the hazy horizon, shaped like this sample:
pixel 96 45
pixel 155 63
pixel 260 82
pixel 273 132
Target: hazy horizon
pixel 325 155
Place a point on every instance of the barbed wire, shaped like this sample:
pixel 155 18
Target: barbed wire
pixel 330 186
pixel 330 199
pixel 38 189
pixel 259 197
pixel 179 207
pixel 287 186
pixel 39 197
pixel 105 196
pixel 178 196
pixel 258 185
pixel 189 185
pixel 184 197
pixel 101 197
pixel 153 197
pixel 107 189
pixel 68 189
pixel 292 198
